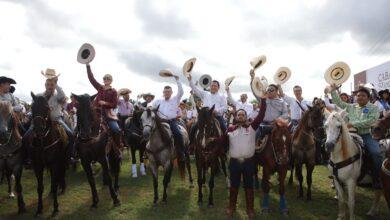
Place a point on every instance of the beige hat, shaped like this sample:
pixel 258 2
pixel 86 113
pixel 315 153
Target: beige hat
pixel 229 80
pixel 338 73
pixel 124 91
pixel 282 75
pixel 50 73
pixel 86 54
pixel 188 66
pixel 166 73
pixel 258 87
pixel 258 61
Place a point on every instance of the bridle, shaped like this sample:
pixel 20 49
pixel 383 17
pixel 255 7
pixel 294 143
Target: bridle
pixel 10 135
pixel 47 128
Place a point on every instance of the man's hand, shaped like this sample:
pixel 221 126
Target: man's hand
pixel 333 87
pixel 101 102
pixel 252 73
pixel 227 88
pixel 189 77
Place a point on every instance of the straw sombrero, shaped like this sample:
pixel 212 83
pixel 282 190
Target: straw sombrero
pixel 258 87
pixel 338 73
pixel 166 73
pixel 188 66
pixel 50 73
pixel 258 61
pixel 229 80
pixel 124 91
pixel 282 75
pixel 86 53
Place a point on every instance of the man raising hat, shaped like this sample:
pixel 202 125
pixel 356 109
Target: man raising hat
pixel 242 104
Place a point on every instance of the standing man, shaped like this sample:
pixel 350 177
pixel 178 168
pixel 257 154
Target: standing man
pixel 298 105
pixel 242 104
pixel 362 115
pixel 168 108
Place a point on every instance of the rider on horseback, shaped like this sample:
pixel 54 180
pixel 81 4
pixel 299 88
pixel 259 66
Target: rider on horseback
pixel 6 95
pixel 106 100
pixel 242 104
pixel 56 98
pixel 361 116
pixel 168 112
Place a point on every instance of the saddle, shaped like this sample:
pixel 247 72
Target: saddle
pixel 261 144
pixel 63 136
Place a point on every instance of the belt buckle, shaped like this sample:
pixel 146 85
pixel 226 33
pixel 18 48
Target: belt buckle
pixel 241 160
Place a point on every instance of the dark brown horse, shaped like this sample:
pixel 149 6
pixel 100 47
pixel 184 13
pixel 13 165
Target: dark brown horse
pixel 94 144
pixel 10 151
pixel 380 131
pixel 207 152
pixel 304 146
pixel 275 158
pixel 48 150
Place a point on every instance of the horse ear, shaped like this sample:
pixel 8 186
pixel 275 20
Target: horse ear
pixel 309 107
pixel 212 109
pixel 344 115
pixel 93 97
pixel 33 96
pixel 76 96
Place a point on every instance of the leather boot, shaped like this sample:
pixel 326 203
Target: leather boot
pixel 232 201
pixel 249 195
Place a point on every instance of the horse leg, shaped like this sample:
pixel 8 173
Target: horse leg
pixel 291 178
pixel 227 179
pixel 374 211
pixel 351 187
pixel 265 186
pixel 211 186
pixel 282 199
pixel 115 162
pixel 309 180
pixel 91 180
pixel 188 165
pixel 256 176
pixel 298 172
pixel 39 175
pixel 18 187
pixel 133 162
pixel 167 179
pixel 199 169
pixel 341 201
pixel 108 179
pixel 54 175
pixel 8 175
pixel 154 171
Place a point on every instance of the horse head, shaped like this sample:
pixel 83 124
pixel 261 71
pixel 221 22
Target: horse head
pixel 334 127
pixel 85 115
pixel 40 114
pixel 148 119
pixel 380 129
pixel 315 120
pixel 281 140
pixel 7 123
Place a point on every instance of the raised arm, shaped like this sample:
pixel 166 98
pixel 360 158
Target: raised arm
pixel 230 97
pixel 180 91
pixel 260 116
pixel 60 94
pixel 196 90
pixel 336 100
pixel 92 79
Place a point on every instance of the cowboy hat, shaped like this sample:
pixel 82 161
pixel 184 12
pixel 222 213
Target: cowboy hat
pixel 124 91
pixel 166 73
pixel 86 54
pixel 4 79
pixel 257 87
pixel 188 66
pixel 228 81
pixel 257 62
pixel 50 73
pixel 205 81
pixel 337 73
pixel 146 95
pixel 282 75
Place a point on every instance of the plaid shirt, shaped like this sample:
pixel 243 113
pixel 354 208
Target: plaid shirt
pixel 361 118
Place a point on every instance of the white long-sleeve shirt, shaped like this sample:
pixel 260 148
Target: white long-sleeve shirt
pixel 296 111
pixel 168 108
pixel 240 105
pixel 55 102
pixel 210 99
pixel 328 104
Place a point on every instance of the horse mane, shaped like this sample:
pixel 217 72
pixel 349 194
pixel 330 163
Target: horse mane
pixel 281 122
pixel 5 110
pixel 160 127
pixel 346 139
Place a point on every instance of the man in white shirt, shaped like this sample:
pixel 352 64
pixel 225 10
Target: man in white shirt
pixel 298 105
pixel 212 98
pixel 242 104
pixel 167 111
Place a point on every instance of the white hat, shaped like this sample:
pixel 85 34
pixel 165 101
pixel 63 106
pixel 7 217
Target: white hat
pixel 338 73
pixel 258 61
pixel 188 66
pixel 229 80
pixel 258 87
pixel 282 75
pixel 124 91
pixel 50 73
pixel 86 53
pixel 165 73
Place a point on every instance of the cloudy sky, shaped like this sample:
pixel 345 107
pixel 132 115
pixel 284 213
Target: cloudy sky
pixel 135 39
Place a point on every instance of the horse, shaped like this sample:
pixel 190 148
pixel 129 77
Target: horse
pixel 346 159
pixel 134 139
pixel 95 146
pixel 207 153
pixel 160 149
pixel 380 132
pixel 275 158
pixel 48 150
pixel 11 159
pixel 304 146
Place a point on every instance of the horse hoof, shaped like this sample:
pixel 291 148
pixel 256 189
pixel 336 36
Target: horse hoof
pixel 154 204
pixel 284 212
pixel 54 213
pixel 117 203
pixel 265 210
pixel 210 206
pixel 94 206
pixel 11 195
pixel 164 202
pixel 22 210
pixel 192 185
pixel 372 213
pixel 38 213
pixel 308 198
pixel 200 203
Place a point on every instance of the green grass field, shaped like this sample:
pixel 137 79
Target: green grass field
pixel 136 196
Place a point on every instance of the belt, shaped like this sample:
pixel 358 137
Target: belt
pixel 241 159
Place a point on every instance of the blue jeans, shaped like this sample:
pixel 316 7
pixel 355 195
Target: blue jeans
pixel 222 123
pixel 113 124
pixel 374 150
pixel 263 130
pixel 174 124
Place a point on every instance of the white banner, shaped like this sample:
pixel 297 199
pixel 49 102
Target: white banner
pixel 379 76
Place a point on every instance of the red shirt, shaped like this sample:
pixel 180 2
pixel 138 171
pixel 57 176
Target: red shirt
pixel 108 95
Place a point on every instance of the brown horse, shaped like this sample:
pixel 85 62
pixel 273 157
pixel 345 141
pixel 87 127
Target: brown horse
pixel 380 131
pixel 304 146
pixel 48 150
pixel 95 144
pixel 275 158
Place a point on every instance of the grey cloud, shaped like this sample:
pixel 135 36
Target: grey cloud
pixel 169 25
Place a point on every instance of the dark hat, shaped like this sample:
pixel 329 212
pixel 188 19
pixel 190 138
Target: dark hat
pixel 12 89
pixel 380 93
pixel 4 79
pixel 146 95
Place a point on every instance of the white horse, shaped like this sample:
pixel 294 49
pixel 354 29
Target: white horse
pixel 345 164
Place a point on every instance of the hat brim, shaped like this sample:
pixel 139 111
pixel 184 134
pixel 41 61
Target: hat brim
pixel 165 73
pixel 338 73
pixel 282 75
pixel 50 76
pixel 188 66
pixel 257 62
pixel 257 87
pixel 86 54
pixel 124 91
pixel 146 95
pixel 7 80
pixel 229 80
